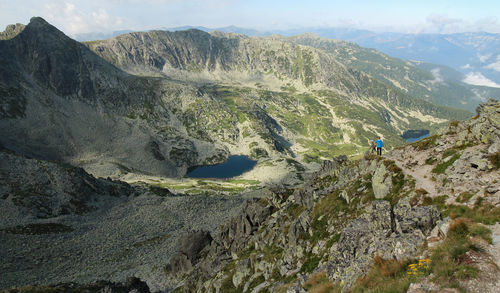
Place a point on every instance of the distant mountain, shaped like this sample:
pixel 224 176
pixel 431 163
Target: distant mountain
pixel 468 53
pixel 437 83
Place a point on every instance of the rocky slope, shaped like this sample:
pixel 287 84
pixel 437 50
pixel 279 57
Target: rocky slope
pixel 366 225
pixel 59 224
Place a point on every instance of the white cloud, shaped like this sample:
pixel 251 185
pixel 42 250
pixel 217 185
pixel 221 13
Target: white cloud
pixel 466 66
pixel 487 24
pixel 494 66
pixel 437 75
pixel 73 18
pixel 483 58
pixel 479 96
pixel 476 78
pixel 438 23
pixel 444 24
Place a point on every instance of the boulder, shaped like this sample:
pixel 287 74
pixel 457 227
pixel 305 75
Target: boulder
pixel 391 233
pixel 193 242
pixel 408 218
pixel 242 271
pixel 299 228
pixel 190 246
pixel 381 182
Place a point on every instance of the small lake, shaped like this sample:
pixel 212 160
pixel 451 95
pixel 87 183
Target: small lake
pixel 234 166
pixel 415 135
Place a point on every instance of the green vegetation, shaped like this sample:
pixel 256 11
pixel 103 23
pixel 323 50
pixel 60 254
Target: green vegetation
pixel 430 160
pixel 203 186
pixel 255 282
pixel 448 263
pixel 310 264
pixel 295 210
pixel 258 153
pixel 484 213
pixel 441 168
pixel 228 286
pixel 464 197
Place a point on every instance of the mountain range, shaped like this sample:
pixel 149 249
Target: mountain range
pixel 160 102
pixel 474 54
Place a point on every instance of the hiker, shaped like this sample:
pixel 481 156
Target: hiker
pixel 372 146
pixel 379 144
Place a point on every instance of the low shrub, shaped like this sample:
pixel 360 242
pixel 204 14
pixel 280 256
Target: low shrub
pixel 464 197
pixel 495 160
pixel 385 276
pixel 319 283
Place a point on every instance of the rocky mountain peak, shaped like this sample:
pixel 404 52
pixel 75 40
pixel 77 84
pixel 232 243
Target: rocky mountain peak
pixel 11 31
pixel 44 30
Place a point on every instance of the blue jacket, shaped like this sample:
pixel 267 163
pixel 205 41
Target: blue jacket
pixel 379 143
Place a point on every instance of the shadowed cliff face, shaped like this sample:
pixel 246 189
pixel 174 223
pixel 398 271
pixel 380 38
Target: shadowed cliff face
pixel 60 101
pixel 55 62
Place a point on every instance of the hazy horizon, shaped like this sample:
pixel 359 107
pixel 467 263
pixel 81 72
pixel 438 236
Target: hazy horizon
pixel 75 17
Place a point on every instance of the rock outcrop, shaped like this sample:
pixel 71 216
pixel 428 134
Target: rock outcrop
pixel 191 245
pixel 348 214
pixel 43 189
pixel 275 238
pixel 390 233
pixel 381 182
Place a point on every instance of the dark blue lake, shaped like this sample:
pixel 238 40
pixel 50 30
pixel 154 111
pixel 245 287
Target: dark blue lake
pixel 234 166
pixel 414 139
pixel 415 134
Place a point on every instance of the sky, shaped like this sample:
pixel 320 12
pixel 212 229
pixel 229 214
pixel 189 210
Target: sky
pixel 86 16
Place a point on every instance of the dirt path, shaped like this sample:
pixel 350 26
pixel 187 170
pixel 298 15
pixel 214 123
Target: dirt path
pixel 419 171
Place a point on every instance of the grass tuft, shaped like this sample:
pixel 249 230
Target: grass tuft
pixel 495 160
pixel 385 276
pixel 441 168
pixel 319 283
